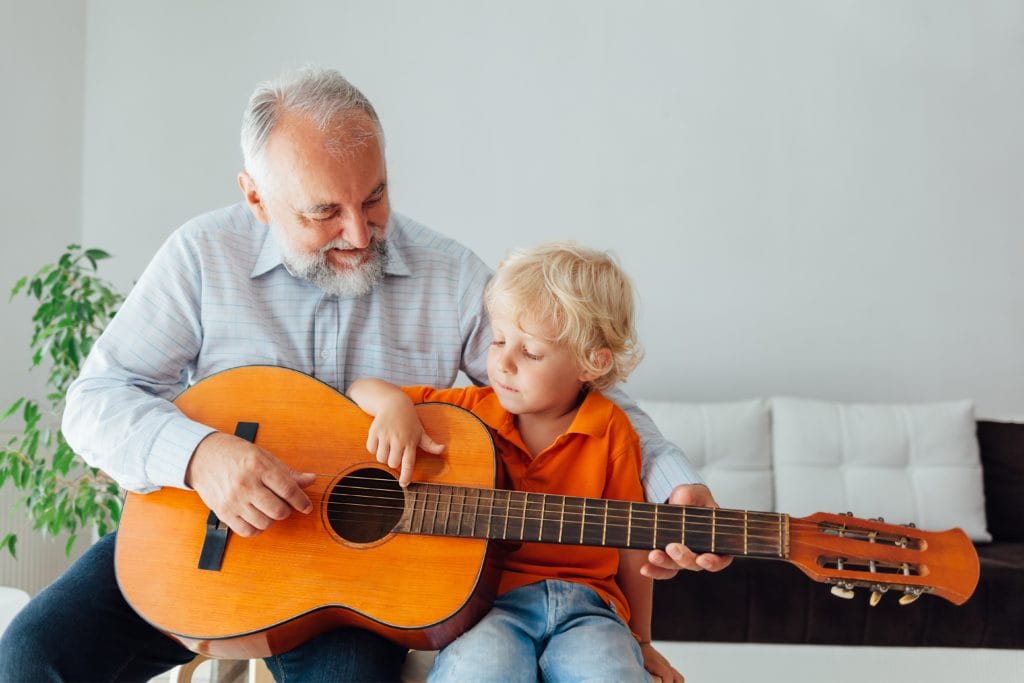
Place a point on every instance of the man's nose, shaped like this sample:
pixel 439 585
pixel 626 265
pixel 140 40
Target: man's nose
pixel 356 230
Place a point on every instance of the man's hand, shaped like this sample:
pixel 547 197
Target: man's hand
pixel 663 564
pixel 247 487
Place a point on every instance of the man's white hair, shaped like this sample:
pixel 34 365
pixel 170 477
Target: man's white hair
pixel 323 96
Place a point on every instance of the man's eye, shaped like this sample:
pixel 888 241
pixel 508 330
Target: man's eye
pixel 497 343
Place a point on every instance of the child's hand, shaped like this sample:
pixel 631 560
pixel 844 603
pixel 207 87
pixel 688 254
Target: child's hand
pixel 656 663
pixel 395 434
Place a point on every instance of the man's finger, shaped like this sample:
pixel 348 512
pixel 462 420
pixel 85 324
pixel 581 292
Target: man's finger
pixel 653 571
pixel 284 485
pixel 713 563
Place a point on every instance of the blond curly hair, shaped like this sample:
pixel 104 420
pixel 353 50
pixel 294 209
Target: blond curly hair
pixel 584 293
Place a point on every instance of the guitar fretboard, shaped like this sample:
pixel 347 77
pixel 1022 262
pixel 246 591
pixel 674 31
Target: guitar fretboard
pixel 497 514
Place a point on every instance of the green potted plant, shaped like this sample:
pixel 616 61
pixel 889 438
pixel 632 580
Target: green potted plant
pixel 59 491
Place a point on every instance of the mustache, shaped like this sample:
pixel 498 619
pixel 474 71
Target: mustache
pixel 345 245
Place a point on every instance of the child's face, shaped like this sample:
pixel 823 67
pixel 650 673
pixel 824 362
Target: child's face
pixel 530 374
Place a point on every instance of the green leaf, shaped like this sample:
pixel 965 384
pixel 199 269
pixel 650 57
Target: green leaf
pixel 13 409
pixel 10 542
pixel 18 286
pixel 114 506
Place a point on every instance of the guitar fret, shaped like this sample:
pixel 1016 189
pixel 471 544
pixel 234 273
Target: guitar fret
pixel 682 528
pixel 447 511
pixel 522 528
pixel 508 503
pixel 490 512
pixel 583 520
pixel 629 524
pixel 433 516
pixel 604 526
pixel 655 539
pixel 475 533
pixel 714 533
pixel 540 525
pixel 412 511
pixel 458 506
pixel 561 520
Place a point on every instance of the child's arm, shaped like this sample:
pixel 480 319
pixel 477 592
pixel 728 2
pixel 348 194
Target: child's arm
pixel 396 431
pixel 639 590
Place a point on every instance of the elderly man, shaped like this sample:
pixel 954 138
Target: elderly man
pixel 313 272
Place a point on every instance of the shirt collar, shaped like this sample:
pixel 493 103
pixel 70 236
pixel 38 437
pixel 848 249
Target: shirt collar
pixel 270 254
pixel 592 418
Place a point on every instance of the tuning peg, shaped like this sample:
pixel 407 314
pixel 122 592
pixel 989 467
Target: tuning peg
pixel 878 519
pixel 910 596
pixel 876 595
pixel 844 591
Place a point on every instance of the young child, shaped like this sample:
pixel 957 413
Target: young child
pixel 563 330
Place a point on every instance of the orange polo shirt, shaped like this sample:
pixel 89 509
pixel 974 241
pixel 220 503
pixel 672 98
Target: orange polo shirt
pixel 597 457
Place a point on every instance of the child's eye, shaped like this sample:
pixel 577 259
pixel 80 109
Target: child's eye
pixel 531 356
pixel 497 343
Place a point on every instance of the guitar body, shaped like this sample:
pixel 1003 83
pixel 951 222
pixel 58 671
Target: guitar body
pixel 302 576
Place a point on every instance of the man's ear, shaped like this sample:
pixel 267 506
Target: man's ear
pixel 601 359
pixel 253 198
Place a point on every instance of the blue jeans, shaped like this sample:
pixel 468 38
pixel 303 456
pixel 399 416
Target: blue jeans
pixel 552 631
pixel 81 629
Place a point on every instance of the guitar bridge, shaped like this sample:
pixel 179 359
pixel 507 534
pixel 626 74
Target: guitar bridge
pixel 216 542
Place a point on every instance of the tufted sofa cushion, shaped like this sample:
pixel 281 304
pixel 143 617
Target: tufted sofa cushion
pixel 907 463
pixel 729 442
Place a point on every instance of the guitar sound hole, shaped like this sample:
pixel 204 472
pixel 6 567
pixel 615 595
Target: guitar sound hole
pixel 365 505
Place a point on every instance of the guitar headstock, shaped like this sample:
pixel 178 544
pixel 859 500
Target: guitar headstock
pixel 850 552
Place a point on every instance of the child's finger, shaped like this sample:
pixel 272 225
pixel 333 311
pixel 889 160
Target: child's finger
pixel 408 463
pixel 431 446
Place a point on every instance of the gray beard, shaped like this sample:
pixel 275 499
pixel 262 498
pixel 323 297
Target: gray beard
pixel 315 268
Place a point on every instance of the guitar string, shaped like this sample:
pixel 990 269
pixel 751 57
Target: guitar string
pixel 754 537
pixel 721 514
pixel 514 510
pixel 725 517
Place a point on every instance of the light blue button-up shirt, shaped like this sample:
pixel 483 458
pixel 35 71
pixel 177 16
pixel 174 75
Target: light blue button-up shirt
pixel 217 296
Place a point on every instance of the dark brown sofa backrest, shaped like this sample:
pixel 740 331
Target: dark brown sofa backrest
pixel 1002 459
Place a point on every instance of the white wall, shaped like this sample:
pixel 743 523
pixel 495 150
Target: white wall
pixel 42 47
pixel 815 198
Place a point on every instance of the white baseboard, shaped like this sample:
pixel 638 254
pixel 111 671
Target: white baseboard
pixel 745 662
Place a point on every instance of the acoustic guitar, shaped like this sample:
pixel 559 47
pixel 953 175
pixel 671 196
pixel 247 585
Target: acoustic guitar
pixel 419 565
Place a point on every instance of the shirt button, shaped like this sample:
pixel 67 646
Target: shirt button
pixel 325 353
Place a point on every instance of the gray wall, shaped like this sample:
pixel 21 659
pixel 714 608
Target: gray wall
pixel 815 198
pixel 42 48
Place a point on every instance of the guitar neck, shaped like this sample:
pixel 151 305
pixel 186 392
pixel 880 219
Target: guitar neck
pixel 519 516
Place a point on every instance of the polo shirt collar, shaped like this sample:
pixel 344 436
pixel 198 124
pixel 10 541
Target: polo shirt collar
pixel 270 255
pixel 592 418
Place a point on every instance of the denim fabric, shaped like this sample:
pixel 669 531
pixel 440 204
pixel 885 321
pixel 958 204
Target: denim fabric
pixel 552 631
pixel 81 629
